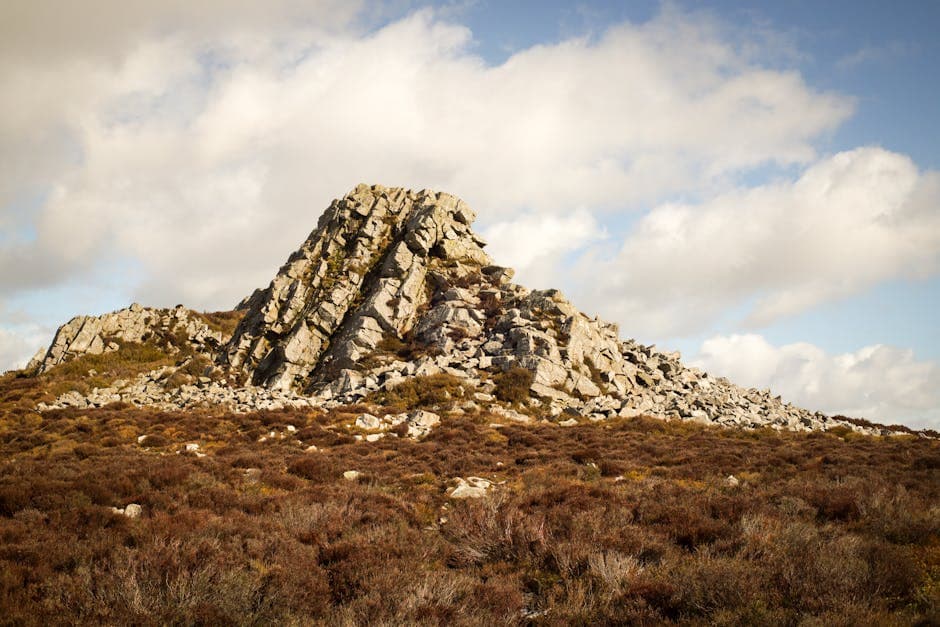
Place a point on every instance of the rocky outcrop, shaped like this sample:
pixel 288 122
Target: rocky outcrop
pixel 394 284
pixel 364 273
pixel 94 335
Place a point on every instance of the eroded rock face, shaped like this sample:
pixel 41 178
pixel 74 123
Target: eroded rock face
pixel 94 335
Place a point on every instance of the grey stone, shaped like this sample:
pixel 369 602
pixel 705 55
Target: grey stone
pixel 368 422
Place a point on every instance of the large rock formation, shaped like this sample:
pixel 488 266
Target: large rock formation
pixel 394 284
pixel 94 335
pixel 369 268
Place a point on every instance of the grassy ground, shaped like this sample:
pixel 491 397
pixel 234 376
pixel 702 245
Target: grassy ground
pixel 625 522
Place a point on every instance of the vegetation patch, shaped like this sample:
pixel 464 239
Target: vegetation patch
pixel 424 391
pixel 629 521
pixel 512 386
pixel 225 322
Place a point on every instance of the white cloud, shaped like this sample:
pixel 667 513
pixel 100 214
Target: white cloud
pixel 874 54
pixel 19 343
pixel 533 244
pixel 849 222
pixel 880 383
pixel 206 158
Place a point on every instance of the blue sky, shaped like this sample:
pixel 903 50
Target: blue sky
pixel 752 183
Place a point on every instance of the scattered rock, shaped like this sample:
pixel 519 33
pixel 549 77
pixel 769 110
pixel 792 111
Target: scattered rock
pixel 351 475
pixel 421 422
pixel 368 422
pixel 132 510
pixel 470 488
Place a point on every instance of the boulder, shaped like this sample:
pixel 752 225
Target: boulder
pixel 470 488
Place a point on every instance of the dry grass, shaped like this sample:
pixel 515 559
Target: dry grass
pixel 512 386
pixel 425 391
pixel 625 522
pixel 21 393
pixel 223 321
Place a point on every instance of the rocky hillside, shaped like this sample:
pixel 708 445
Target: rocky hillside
pixel 394 284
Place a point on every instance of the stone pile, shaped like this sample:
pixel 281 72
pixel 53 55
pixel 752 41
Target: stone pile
pixel 150 390
pixel 394 284
pixel 418 424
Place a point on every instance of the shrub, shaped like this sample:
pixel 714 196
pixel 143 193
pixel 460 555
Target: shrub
pixel 512 386
pixel 155 440
pixel 424 391
pixel 316 468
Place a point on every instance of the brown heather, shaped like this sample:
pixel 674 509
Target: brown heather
pixel 624 522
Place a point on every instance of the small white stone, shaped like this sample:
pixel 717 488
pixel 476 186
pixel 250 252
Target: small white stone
pixel 351 475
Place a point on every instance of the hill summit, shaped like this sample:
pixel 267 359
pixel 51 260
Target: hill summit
pixel 394 286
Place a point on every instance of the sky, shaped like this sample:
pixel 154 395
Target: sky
pixel 754 184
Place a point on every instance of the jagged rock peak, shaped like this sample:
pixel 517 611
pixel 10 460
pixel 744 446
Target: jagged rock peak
pixel 363 273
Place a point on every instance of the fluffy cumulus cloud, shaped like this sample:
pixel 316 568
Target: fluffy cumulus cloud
pixel 19 342
pixel 204 150
pixel 880 383
pixel 848 222
pixel 532 244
